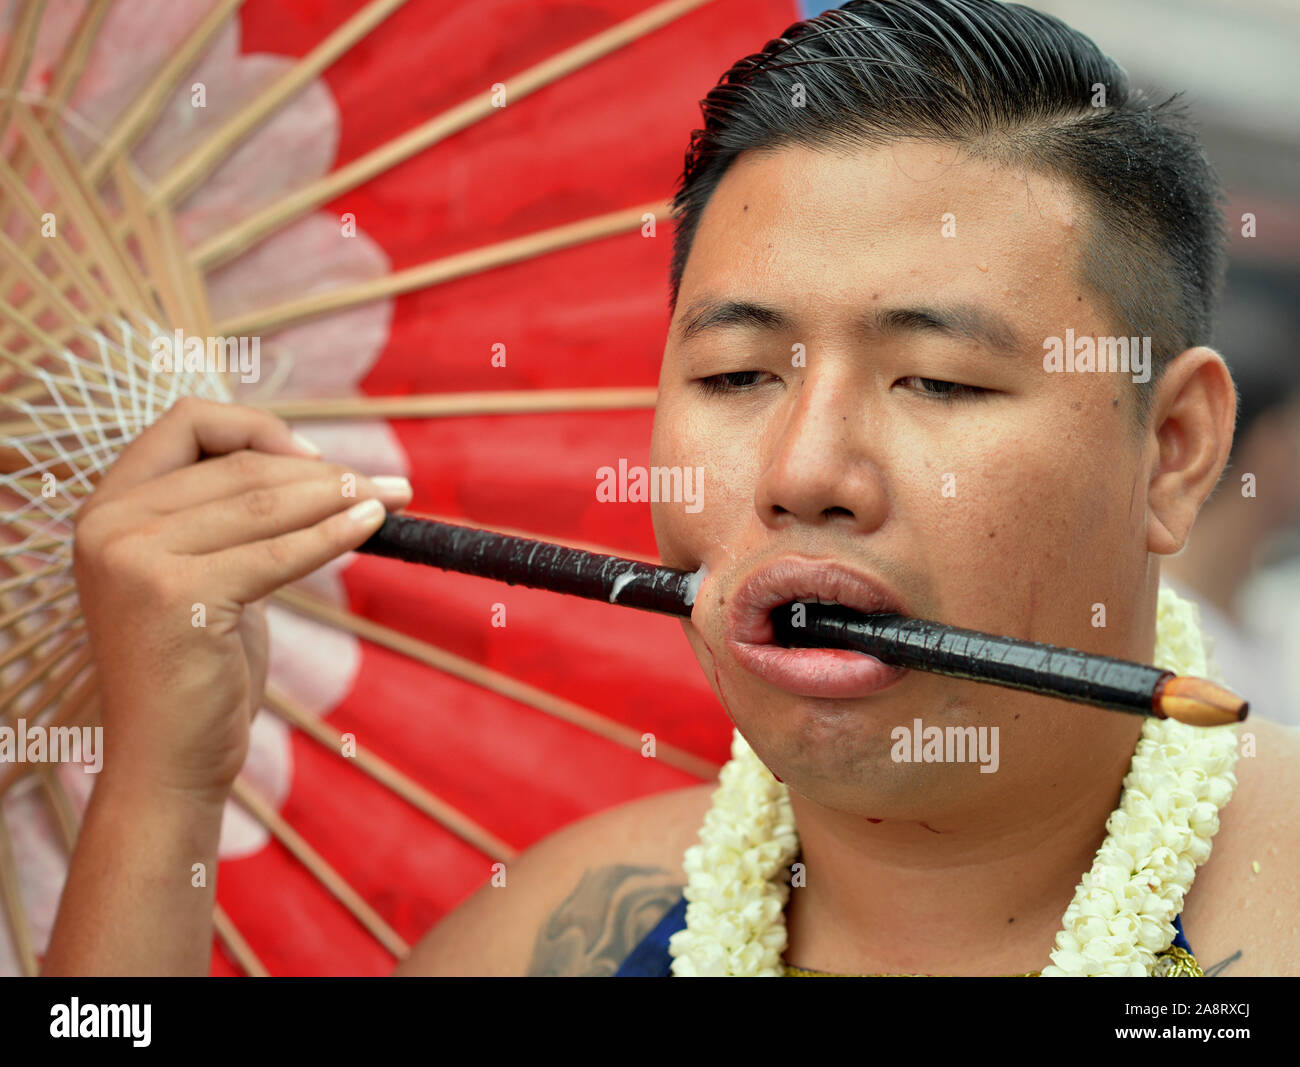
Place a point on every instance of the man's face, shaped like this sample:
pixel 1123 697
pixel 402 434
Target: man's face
pixel 1020 510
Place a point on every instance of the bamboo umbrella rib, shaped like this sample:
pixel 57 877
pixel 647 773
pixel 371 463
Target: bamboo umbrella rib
pixel 80 705
pixel 39 457
pixel 106 297
pixel 33 546
pixel 20 648
pixel 236 945
pixel 15 912
pixel 100 252
pixel 53 426
pixel 79 651
pixel 93 217
pixel 18 57
pixel 187 279
pixel 37 517
pixel 24 547
pixel 65 335
pixel 36 143
pixel 67 640
pixel 169 297
pixel 34 579
pixel 74 641
pixel 231 242
pixel 495 681
pixel 32 306
pixel 435 272
pixel 141 112
pixel 383 772
pixel 42 342
pixel 70 640
pixel 39 604
pixel 442 405
pixel 10 890
pixel 328 877
pixel 31 576
pixel 36 523
pixel 56 686
pixel 41 285
pixel 44 368
pixel 61 807
pixel 26 391
pixel 67 71
pixel 72 62
pixel 36 245
pixel 203 159
pixel 56 247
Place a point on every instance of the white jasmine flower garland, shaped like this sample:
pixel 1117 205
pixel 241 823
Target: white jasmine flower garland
pixel 1122 913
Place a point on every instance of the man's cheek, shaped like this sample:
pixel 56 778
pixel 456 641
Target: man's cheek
pixel 674 535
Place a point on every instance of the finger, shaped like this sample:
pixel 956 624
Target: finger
pixel 223 477
pixel 192 428
pixel 252 571
pixel 265 512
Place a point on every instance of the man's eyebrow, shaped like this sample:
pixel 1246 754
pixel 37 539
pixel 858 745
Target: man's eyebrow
pixel 965 321
pixel 710 314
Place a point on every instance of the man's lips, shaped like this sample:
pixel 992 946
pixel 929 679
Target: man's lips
pixel 812 672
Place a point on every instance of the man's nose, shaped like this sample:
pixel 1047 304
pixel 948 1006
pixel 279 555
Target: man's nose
pixel 822 458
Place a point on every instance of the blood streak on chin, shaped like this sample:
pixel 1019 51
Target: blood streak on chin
pixel 717 680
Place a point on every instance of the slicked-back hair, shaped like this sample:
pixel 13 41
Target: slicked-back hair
pixel 1009 85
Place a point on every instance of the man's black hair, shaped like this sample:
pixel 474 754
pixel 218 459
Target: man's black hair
pixel 1009 85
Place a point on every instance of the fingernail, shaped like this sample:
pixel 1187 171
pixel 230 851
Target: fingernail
pixel 366 511
pixel 391 483
pixel 304 445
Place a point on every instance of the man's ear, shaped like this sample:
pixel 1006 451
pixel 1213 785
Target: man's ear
pixel 1192 418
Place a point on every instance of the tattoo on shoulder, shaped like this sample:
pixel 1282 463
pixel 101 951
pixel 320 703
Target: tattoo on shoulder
pixel 597 925
pixel 1222 965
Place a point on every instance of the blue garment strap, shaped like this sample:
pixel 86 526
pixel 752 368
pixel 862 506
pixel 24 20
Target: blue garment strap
pixel 650 959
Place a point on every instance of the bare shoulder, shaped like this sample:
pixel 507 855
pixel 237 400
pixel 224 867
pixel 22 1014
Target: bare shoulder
pixel 577 902
pixel 1242 914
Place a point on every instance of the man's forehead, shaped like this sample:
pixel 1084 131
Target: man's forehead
pixel 892 218
pixel 977 171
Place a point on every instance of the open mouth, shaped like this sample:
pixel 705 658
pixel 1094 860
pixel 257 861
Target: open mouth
pixel 832 673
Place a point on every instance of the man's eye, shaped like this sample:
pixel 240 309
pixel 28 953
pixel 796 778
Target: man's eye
pixel 733 382
pixel 945 391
